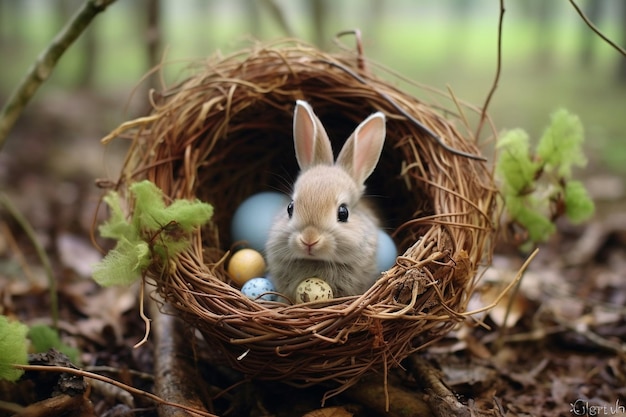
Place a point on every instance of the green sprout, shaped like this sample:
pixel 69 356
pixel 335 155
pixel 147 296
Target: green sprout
pixel 154 233
pixel 538 188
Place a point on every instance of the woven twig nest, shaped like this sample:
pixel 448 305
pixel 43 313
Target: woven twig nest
pixel 225 134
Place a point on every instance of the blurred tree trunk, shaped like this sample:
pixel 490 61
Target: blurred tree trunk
pixel 460 11
pixel 14 16
pixel 278 15
pixel 89 64
pixel 546 14
pixel 252 11
pixel 3 24
pixel 593 10
pixel 153 36
pixel 621 64
pixel 87 45
pixel 374 16
pixel 319 12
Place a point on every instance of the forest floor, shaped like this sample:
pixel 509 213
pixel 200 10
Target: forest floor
pixel 562 354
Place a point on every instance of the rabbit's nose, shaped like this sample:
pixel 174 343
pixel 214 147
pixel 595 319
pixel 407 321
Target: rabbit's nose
pixel 309 245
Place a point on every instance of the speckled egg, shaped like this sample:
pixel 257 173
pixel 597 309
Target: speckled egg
pixel 387 252
pixel 255 287
pixel 246 264
pixel 313 289
pixel 254 217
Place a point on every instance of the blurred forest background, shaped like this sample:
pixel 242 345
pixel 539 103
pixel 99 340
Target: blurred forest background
pixel 550 58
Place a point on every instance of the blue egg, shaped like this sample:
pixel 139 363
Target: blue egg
pixel 387 251
pixel 253 219
pixel 257 286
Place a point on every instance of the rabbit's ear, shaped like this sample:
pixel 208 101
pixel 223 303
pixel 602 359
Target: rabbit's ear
pixel 310 138
pixel 361 151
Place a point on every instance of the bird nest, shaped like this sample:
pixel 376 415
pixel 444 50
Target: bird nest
pixel 225 133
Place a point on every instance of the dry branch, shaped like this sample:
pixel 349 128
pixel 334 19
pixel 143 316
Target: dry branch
pixel 176 376
pixel 42 68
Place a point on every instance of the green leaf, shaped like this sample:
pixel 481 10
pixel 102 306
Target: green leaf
pixel 560 147
pixel 149 206
pixel 531 191
pixel 531 213
pixel 116 227
pixel 123 264
pixel 44 338
pixel 578 204
pixel 514 163
pixel 155 232
pixel 538 226
pixel 189 214
pixel 152 214
pixel 13 348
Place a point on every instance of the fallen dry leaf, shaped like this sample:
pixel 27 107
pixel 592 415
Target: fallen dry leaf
pixel 329 412
pixel 77 253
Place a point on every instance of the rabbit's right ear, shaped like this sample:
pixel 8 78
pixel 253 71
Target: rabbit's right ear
pixel 310 138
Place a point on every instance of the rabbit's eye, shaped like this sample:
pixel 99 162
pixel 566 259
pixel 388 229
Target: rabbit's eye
pixel 342 213
pixel 290 209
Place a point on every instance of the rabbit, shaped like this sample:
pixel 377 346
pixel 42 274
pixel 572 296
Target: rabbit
pixel 328 231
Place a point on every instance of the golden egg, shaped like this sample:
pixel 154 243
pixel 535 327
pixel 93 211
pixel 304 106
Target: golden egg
pixel 246 264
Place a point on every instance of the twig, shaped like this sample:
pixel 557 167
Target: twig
pixel 41 69
pixel 442 401
pixel 406 114
pixel 41 254
pixel 176 375
pixel 595 29
pixel 513 283
pixel 12 408
pixel 145 318
pixel 583 330
pixel 132 390
pixel 496 80
pixel 360 61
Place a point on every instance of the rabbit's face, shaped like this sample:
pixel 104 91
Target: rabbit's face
pixel 324 217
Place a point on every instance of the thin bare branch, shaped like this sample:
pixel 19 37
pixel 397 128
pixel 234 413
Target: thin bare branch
pixel 595 29
pixel 17 215
pixel 496 80
pixel 42 68
pixel 107 380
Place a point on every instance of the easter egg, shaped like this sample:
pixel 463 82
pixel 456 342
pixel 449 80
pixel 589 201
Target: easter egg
pixel 387 253
pixel 245 264
pixel 255 287
pixel 313 289
pixel 254 217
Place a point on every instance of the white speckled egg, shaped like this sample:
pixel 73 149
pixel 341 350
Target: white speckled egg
pixel 255 287
pixel 245 264
pixel 387 253
pixel 254 218
pixel 313 289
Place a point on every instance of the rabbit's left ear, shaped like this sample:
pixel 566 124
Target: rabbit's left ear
pixel 362 150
